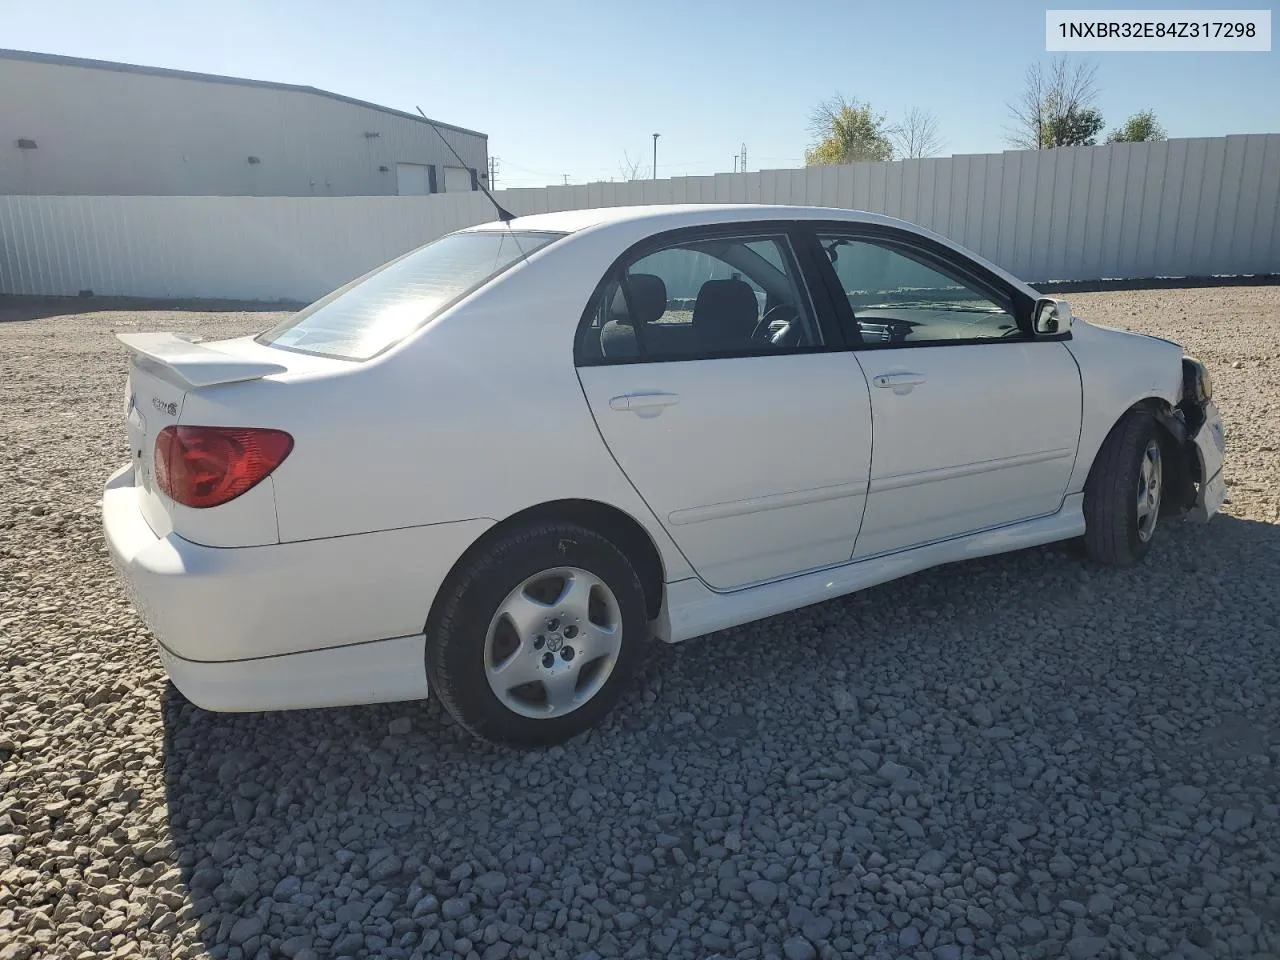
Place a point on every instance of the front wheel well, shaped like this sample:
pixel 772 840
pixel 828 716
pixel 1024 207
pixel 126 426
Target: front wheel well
pixel 1176 448
pixel 623 530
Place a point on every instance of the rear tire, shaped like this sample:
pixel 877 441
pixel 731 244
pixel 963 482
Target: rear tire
pixel 537 635
pixel 1123 495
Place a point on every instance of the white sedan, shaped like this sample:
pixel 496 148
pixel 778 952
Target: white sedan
pixel 501 466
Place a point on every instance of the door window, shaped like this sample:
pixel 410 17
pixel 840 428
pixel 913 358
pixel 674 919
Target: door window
pixel 730 296
pixel 900 295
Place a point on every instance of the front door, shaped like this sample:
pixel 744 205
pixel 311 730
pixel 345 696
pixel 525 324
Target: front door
pixel 976 423
pixel 704 367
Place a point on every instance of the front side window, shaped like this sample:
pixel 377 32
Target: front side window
pixel 702 299
pixel 899 295
pixel 381 308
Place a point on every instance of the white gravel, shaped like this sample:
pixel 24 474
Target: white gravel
pixel 1026 756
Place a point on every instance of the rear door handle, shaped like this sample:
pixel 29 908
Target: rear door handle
pixel 645 403
pixel 898 382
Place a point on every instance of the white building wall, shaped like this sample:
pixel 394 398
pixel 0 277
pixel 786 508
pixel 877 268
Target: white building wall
pixel 115 132
pixel 1196 208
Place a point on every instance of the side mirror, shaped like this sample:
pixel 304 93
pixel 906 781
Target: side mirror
pixel 1051 317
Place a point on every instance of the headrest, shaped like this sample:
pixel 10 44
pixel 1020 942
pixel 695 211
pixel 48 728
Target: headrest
pixel 648 299
pixel 726 311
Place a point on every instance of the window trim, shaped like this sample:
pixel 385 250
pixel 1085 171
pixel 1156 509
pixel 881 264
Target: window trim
pixel 786 231
pixel 934 255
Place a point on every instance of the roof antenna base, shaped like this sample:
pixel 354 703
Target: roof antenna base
pixel 505 215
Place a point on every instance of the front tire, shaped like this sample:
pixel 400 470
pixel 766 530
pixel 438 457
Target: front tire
pixel 1123 495
pixel 537 635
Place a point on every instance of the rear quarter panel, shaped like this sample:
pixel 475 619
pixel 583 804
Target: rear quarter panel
pixel 1117 370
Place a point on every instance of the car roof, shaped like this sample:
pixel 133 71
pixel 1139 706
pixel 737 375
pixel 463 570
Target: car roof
pixel 670 216
pixel 625 225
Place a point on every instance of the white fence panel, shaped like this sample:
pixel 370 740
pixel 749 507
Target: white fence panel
pixel 1192 207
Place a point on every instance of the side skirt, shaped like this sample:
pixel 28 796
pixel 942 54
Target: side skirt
pixel 693 610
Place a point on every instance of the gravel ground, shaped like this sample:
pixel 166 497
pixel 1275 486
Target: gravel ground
pixel 1026 756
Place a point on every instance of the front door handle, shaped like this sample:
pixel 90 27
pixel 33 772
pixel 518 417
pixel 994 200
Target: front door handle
pixel 898 382
pixel 645 404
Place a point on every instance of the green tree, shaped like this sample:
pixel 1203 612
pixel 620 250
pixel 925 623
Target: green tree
pixel 1142 127
pixel 1077 128
pixel 845 131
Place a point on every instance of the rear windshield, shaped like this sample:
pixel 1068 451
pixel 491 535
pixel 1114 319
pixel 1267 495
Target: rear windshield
pixel 383 307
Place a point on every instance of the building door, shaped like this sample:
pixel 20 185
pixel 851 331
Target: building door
pixel 456 179
pixel 412 179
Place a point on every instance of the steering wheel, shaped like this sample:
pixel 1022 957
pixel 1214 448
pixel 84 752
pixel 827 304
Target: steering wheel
pixel 783 316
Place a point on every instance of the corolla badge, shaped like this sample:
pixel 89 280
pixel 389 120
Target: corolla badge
pixel 170 408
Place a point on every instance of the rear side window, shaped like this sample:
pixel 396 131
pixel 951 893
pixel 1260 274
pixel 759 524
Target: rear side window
pixel 383 307
pixel 720 297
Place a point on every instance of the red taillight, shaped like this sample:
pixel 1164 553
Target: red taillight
pixel 206 466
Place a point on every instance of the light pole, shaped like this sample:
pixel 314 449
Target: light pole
pixel 655 155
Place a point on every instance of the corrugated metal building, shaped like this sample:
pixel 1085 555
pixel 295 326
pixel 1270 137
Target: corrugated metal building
pixel 74 126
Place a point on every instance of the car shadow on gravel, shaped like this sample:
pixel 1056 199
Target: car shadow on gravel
pixel 1029 717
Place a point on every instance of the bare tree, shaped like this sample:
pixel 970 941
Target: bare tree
pixel 630 169
pixel 1057 107
pixel 1028 112
pixel 917 135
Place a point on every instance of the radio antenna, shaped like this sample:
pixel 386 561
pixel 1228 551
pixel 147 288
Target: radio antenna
pixel 506 216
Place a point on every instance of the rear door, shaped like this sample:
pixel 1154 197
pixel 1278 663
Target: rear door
pixel 712 382
pixel 976 421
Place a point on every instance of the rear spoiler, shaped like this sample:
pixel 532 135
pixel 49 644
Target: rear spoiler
pixel 196 364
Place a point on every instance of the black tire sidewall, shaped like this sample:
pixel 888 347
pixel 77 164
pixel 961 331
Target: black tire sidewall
pixel 1117 482
pixel 1145 431
pixel 456 638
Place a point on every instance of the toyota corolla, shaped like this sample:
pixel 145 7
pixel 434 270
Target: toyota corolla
pixel 500 468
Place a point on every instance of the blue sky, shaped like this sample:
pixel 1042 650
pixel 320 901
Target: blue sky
pixel 566 87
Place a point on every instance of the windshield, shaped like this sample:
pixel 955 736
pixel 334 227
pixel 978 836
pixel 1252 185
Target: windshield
pixel 383 307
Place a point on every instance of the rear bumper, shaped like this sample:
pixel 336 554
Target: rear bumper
pixel 379 672
pixel 250 628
